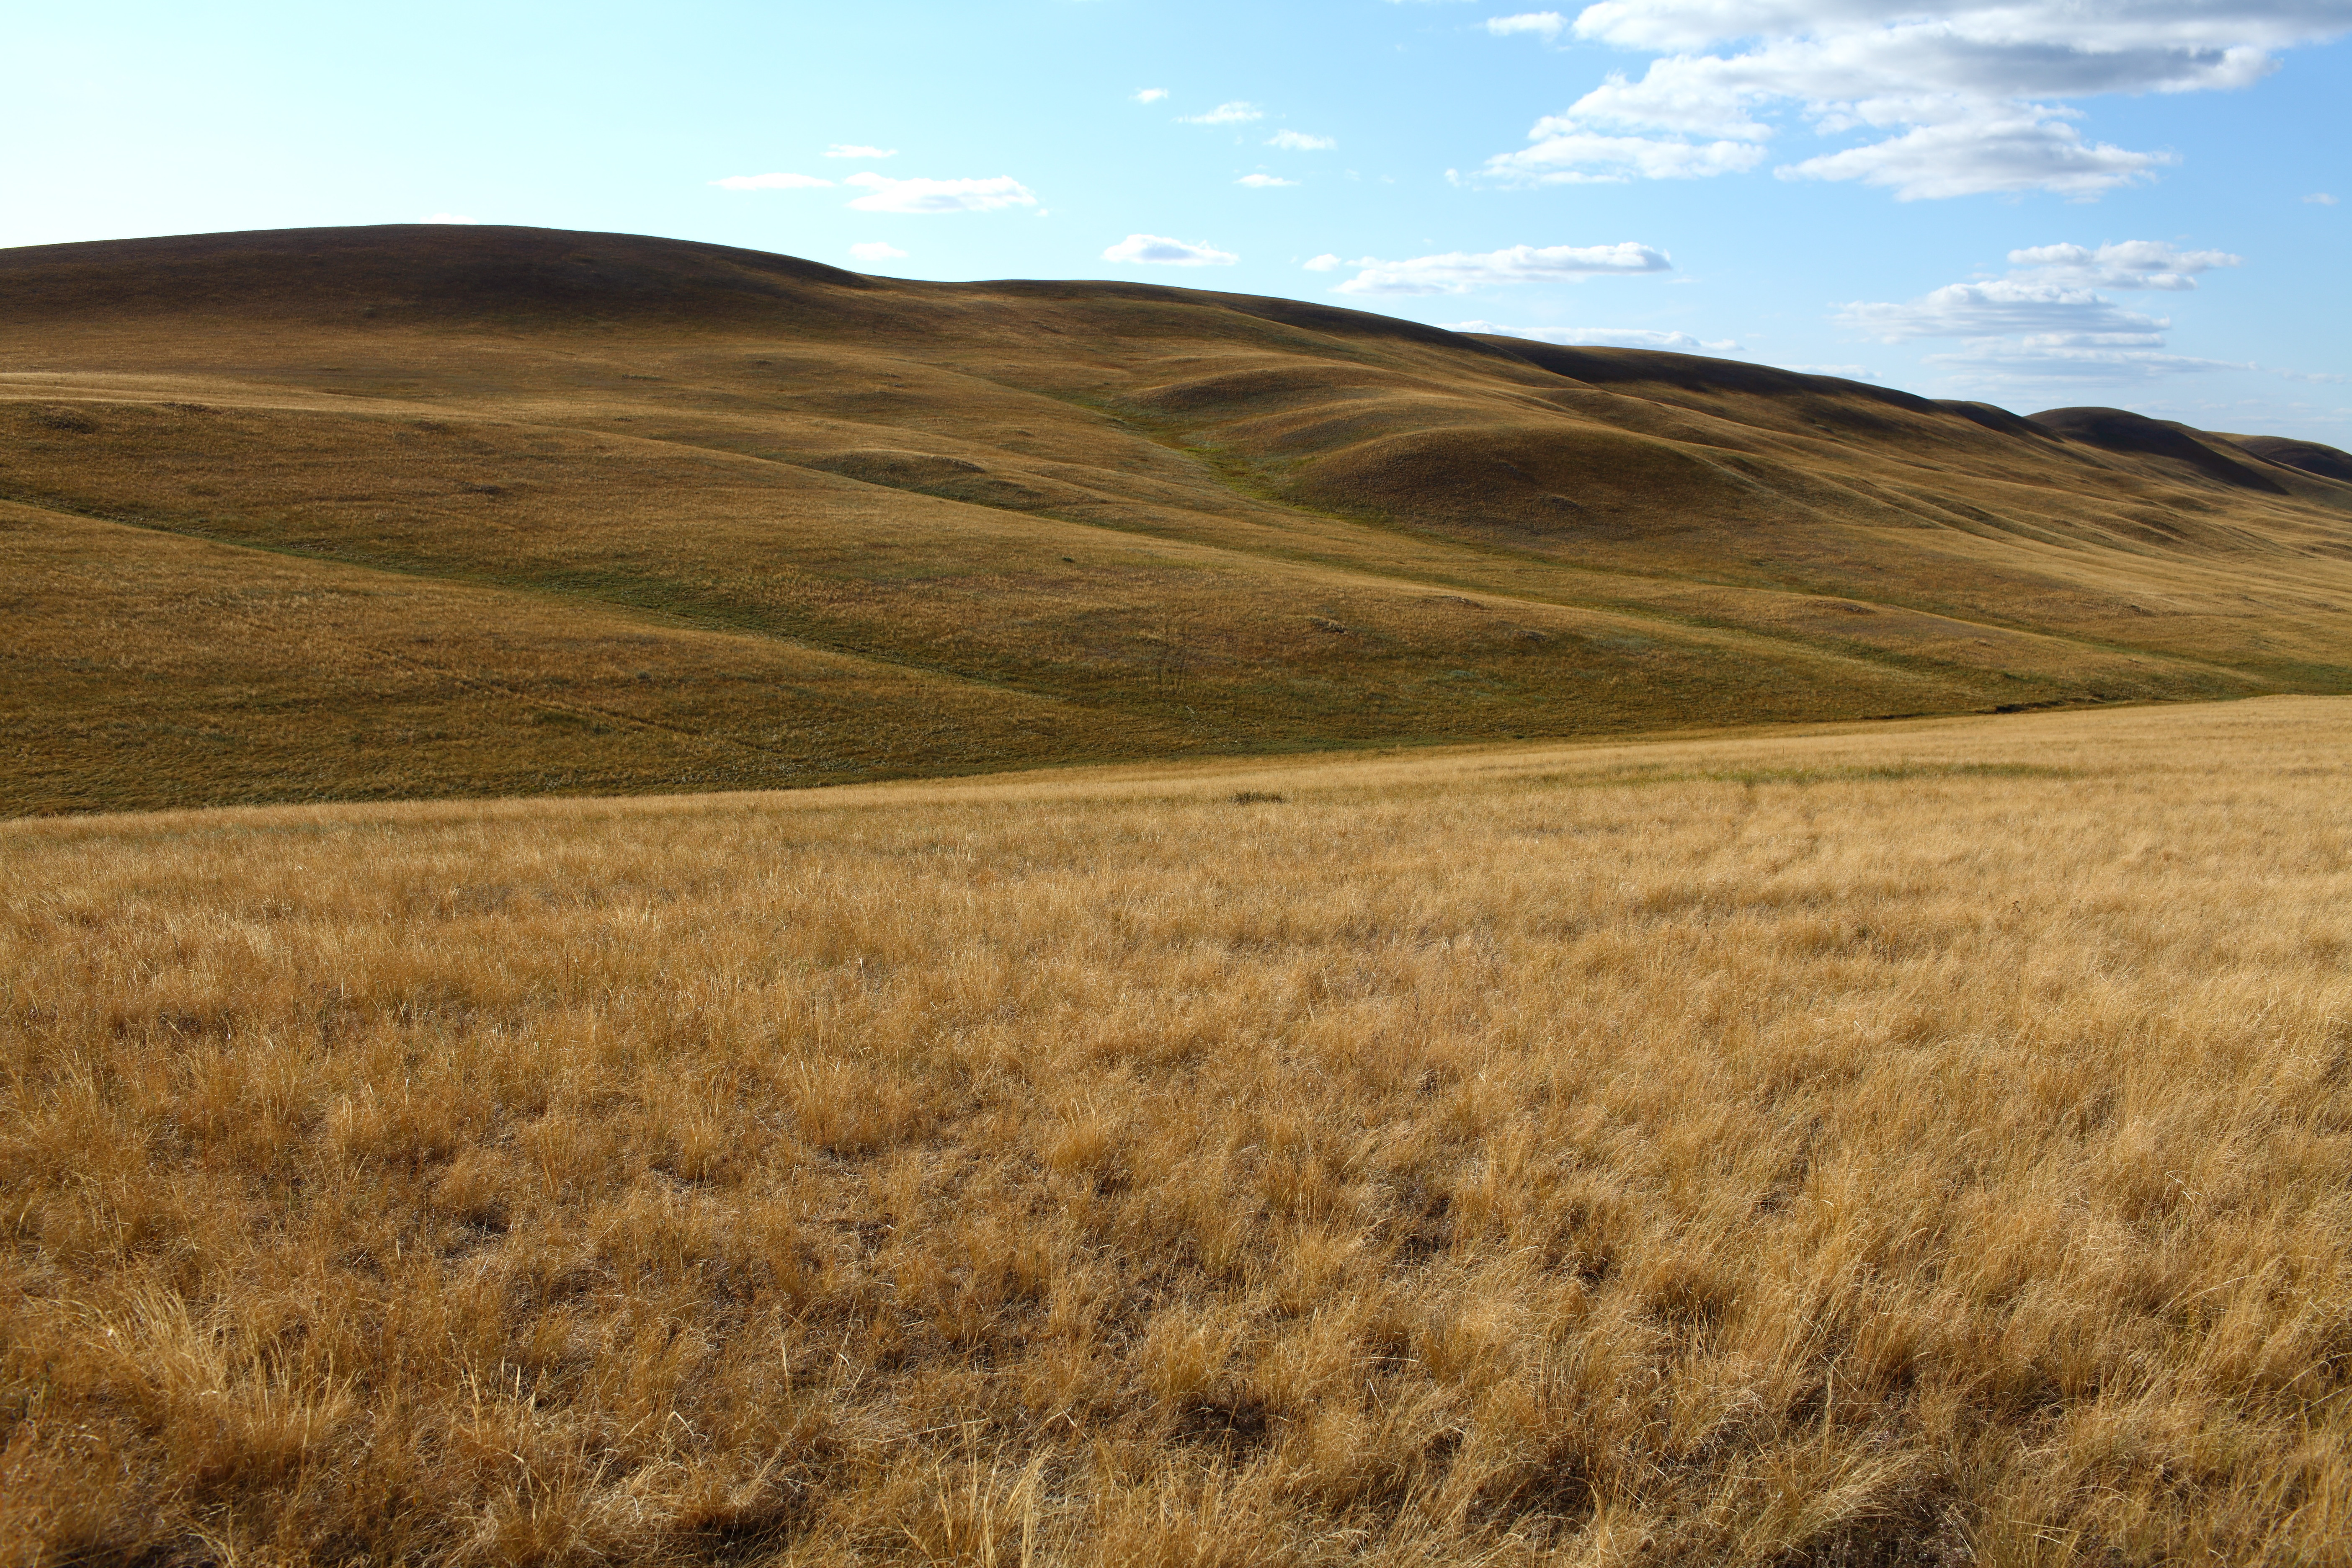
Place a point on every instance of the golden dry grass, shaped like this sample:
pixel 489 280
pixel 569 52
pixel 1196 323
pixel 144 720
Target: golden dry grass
pixel 1918 1143
pixel 144 668
pixel 1092 520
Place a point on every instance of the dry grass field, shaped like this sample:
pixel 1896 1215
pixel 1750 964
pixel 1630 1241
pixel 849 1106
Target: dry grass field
pixel 1914 1143
pixel 604 514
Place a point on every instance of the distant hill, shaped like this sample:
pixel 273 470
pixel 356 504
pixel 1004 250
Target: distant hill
pixel 442 509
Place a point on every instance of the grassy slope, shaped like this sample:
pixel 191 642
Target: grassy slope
pixel 1910 1144
pixel 1065 521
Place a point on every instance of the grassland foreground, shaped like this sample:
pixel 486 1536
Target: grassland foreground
pixel 1921 1142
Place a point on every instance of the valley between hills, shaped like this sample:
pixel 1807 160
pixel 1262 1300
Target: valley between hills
pixel 432 510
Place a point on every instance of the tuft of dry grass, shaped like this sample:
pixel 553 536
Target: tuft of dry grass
pixel 1916 1144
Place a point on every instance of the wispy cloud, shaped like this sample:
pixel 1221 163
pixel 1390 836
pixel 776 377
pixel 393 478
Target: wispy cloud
pixel 2047 319
pixel 1602 337
pixel 884 195
pixel 1567 154
pixel 1326 262
pixel 2320 198
pixel 1300 141
pixel 2051 295
pixel 1234 113
pixel 2006 306
pixel 771 182
pixel 854 150
pixel 1150 95
pixel 1262 182
pixel 2133 264
pixel 1999 360
pixel 1544 24
pixel 1459 272
pixel 1159 250
pixel 876 250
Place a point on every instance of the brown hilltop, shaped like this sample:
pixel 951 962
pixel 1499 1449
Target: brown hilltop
pixel 445 269
pixel 422 510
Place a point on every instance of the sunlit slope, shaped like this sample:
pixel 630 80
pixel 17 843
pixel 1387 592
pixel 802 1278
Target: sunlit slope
pixel 145 669
pixel 1066 520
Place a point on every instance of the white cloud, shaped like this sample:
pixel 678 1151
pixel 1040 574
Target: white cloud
pixel 2131 263
pixel 2051 295
pixel 1324 263
pixel 1602 337
pixel 1151 95
pixel 1299 141
pixel 876 250
pixel 1262 182
pixel 2320 198
pixel 1458 272
pixel 854 150
pixel 1157 249
pixel 2003 305
pixel 451 218
pixel 2047 321
pixel 771 182
pixel 1959 97
pixel 1566 156
pixel 1235 113
pixel 2004 361
pixel 884 195
pixel 1545 24
pixel 1991 152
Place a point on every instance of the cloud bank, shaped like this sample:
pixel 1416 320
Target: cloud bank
pixel 1963 99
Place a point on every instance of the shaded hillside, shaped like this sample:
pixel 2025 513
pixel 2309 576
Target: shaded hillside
pixel 2136 435
pixel 2310 456
pixel 438 510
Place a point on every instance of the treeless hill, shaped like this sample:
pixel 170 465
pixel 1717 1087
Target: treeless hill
pixel 2310 456
pixel 420 509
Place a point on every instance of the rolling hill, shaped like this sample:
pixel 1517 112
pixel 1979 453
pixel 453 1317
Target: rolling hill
pixel 439 510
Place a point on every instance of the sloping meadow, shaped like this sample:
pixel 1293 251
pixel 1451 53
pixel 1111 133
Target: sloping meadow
pixel 1907 1143
pixel 404 513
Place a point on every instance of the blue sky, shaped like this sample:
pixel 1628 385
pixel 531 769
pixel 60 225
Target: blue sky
pixel 2037 201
